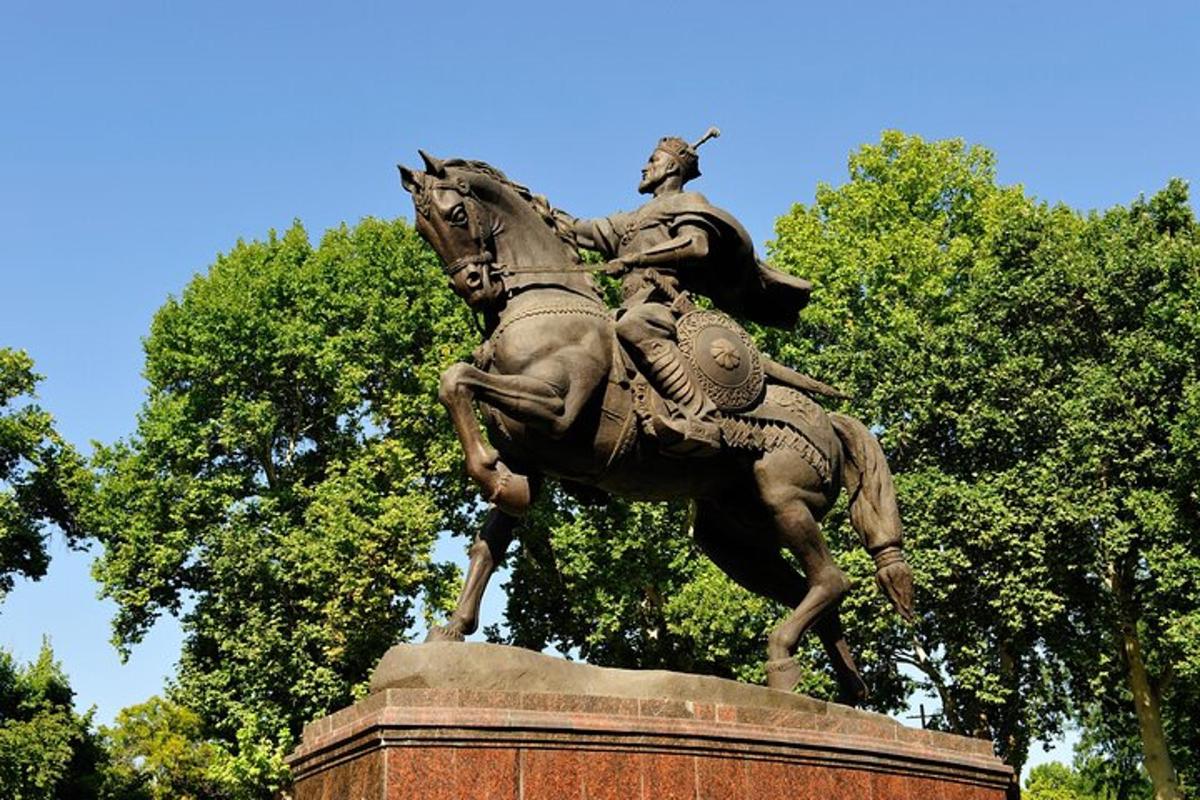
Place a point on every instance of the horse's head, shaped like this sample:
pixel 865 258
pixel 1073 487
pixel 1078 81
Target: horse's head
pixel 460 228
pixel 495 237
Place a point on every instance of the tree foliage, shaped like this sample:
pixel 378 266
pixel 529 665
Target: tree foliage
pixel 1109 754
pixel 47 751
pixel 288 477
pixel 1129 447
pixel 1056 781
pixel 157 750
pixel 41 475
pixel 931 309
pixel 1033 374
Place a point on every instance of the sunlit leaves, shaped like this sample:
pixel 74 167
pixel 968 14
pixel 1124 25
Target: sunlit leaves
pixel 290 471
pixel 42 479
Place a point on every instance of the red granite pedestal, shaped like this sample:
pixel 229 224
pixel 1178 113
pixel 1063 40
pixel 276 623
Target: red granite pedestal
pixel 446 743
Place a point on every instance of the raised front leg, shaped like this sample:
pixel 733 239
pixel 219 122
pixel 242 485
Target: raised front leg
pixel 542 397
pixel 487 551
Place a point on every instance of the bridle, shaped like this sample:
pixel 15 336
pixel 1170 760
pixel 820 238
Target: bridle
pixel 499 282
pixel 482 236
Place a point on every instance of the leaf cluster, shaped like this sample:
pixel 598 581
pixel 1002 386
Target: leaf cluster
pixel 47 751
pixel 42 478
pixel 1031 372
pixel 288 477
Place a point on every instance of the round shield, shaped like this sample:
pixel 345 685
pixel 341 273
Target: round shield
pixel 722 357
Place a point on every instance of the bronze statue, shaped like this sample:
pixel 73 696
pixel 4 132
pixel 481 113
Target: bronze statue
pixel 679 241
pixel 661 400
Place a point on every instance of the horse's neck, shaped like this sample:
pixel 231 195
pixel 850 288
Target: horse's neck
pixel 525 240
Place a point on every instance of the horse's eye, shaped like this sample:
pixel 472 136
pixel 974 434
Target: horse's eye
pixel 458 215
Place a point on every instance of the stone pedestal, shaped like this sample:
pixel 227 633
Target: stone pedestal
pixel 484 722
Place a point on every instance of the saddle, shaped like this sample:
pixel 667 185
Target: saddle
pixel 761 406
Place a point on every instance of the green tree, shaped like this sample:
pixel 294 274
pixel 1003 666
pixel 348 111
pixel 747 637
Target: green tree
pixel 1055 781
pixel 936 307
pixel 47 751
pixel 1033 373
pixel 157 751
pixel 288 477
pixel 1109 754
pixel 1128 450
pixel 40 475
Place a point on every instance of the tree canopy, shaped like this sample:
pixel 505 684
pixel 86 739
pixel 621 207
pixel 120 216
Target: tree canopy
pixel 41 475
pixel 47 750
pixel 288 477
pixel 1032 372
pixel 157 750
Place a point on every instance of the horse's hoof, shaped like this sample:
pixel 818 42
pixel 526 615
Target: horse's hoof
pixel 852 691
pixel 511 492
pixel 444 633
pixel 783 674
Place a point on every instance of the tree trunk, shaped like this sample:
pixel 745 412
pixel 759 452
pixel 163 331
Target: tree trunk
pixel 1157 758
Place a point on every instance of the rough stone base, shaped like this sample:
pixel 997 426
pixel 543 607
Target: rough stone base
pixel 445 735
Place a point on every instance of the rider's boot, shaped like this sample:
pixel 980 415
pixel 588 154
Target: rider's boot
pixel 692 429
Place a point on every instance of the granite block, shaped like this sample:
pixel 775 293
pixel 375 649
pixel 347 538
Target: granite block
pixel 721 779
pixel 887 786
pixel 847 784
pixel 608 775
pixel 425 737
pixel 550 775
pixel 668 777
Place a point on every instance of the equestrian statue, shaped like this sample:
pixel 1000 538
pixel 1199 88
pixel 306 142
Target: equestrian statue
pixel 655 400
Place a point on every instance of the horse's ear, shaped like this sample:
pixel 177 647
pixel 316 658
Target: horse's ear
pixel 410 180
pixel 434 166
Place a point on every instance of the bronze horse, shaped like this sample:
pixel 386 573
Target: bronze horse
pixel 559 398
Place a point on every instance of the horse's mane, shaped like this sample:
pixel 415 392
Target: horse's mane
pixel 558 220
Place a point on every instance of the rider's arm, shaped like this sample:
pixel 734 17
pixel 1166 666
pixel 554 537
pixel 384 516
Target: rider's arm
pixel 690 244
pixel 585 233
pixel 600 234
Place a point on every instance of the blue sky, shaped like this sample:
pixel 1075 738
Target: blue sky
pixel 138 140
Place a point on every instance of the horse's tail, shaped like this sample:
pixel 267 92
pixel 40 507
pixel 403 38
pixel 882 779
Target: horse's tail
pixel 874 513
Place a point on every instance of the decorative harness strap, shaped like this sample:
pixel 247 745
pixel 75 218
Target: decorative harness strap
pixel 548 310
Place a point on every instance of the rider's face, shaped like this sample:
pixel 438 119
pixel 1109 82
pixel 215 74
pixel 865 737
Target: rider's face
pixel 657 168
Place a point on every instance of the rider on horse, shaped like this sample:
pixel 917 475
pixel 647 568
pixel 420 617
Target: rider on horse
pixel 678 241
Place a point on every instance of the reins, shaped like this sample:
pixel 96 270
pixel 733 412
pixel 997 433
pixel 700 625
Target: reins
pixel 486 258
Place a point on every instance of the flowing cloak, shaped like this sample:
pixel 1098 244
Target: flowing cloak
pixel 731 275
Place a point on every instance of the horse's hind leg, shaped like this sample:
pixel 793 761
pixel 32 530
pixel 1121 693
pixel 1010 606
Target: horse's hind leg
pixel 760 567
pixel 790 488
